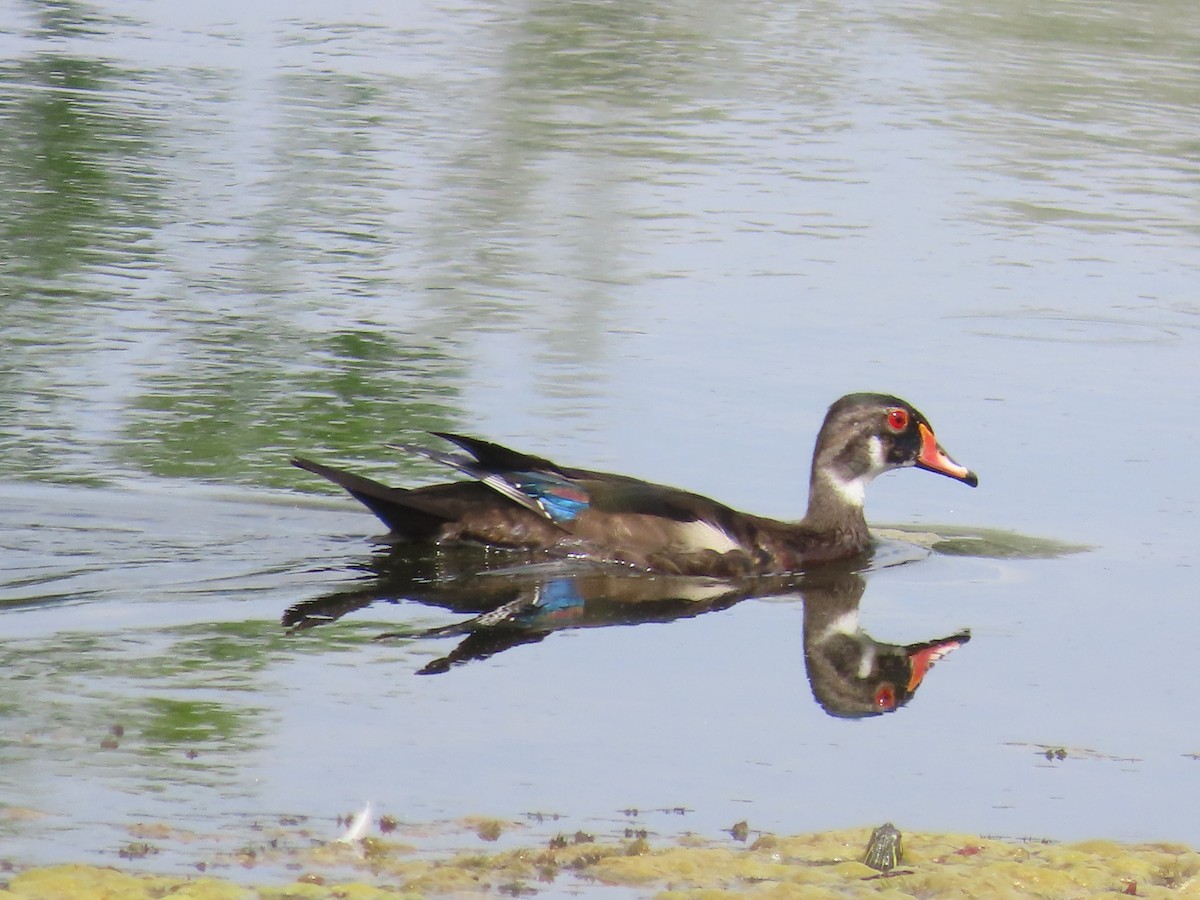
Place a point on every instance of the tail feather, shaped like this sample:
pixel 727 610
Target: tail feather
pixel 464 464
pixel 403 513
pixel 497 458
pixel 493 507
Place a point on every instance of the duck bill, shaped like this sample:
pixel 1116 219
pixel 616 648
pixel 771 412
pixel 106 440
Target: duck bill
pixel 935 459
pixel 922 657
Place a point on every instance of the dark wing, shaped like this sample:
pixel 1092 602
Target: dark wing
pixel 530 481
pixel 561 494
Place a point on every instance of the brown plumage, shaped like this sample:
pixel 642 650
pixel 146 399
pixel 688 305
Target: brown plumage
pixel 518 500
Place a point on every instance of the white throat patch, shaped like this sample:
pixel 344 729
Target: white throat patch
pixel 854 490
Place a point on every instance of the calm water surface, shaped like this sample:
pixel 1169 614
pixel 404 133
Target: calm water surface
pixel 658 242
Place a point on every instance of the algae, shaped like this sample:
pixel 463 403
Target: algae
pixel 822 864
pixel 982 543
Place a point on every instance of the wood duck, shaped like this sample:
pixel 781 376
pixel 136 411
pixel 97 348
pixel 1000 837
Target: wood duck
pixel 523 501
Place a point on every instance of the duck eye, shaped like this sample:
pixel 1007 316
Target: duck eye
pixel 885 697
pixel 897 419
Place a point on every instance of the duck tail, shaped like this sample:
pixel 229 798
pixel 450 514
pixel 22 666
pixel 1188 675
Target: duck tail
pixel 397 508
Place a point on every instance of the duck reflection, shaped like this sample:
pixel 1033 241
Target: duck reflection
pixel 512 600
pixel 853 675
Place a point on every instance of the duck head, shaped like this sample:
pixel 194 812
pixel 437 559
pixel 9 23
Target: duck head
pixel 853 675
pixel 865 435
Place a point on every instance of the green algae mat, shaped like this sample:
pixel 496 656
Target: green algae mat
pixel 825 864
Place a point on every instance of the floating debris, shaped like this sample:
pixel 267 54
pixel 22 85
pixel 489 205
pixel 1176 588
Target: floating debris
pixel 358 828
pixel 884 850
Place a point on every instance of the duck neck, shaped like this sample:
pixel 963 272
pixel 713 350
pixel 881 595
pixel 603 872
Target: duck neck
pixel 835 504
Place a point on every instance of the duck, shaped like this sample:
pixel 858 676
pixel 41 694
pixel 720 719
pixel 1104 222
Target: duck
pixel 523 502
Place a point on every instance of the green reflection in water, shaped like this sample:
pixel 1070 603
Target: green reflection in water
pixel 77 184
pixel 171 260
pixel 149 324
pixel 1082 102
pixel 79 194
pixel 188 721
pixel 145 700
pixel 242 409
pixel 72 186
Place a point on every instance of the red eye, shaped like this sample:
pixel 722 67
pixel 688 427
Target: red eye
pixel 885 697
pixel 897 419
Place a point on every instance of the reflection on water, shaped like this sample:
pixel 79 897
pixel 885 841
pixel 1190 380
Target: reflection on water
pixel 1083 104
pixel 1041 325
pixel 851 673
pixel 231 240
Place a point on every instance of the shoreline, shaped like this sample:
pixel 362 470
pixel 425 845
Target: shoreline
pixel 820 864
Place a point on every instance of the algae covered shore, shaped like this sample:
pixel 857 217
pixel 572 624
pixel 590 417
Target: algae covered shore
pixel 582 865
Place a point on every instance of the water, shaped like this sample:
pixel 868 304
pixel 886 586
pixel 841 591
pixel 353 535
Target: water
pixel 652 242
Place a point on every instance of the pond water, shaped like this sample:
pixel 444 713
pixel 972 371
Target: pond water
pixel 657 242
